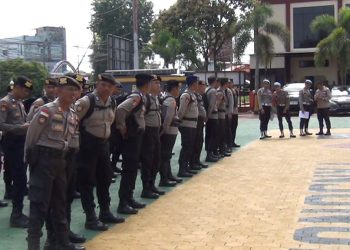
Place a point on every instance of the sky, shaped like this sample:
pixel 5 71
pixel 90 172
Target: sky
pixel 21 17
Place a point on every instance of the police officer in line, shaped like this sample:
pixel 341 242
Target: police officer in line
pixel 196 163
pixel 265 101
pixel 188 115
pixel 170 129
pixel 49 91
pixel 14 127
pixel 222 102
pixel 211 128
pixel 280 100
pixel 322 97
pixel 150 151
pixel 96 112
pixel 229 116
pixel 47 141
pixel 131 124
pixel 235 93
pixel 306 105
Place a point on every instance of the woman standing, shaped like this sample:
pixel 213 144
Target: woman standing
pixel 305 103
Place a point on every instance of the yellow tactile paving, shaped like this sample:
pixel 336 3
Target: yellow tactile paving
pixel 251 201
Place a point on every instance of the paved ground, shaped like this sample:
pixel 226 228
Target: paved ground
pixel 256 199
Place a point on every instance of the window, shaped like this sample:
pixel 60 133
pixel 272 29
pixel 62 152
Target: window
pixel 310 64
pixel 302 18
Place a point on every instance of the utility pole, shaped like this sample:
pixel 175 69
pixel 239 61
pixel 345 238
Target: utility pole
pixel 135 12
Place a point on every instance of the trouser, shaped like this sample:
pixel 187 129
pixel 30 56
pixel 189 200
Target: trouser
pixel 188 136
pixel 94 170
pixel 5 167
pixel 131 158
pixel 198 141
pixel 14 154
pixel 211 135
pixel 47 195
pixel 150 157
pixel 228 132
pixel 115 146
pixel 304 123
pixel 265 118
pixel 280 115
pixel 234 127
pixel 221 135
pixel 323 114
pixel 167 145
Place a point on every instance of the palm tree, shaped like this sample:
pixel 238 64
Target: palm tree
pixel 264 28
pixel 336 45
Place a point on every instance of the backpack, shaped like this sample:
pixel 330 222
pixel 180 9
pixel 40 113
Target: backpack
pixel 205 99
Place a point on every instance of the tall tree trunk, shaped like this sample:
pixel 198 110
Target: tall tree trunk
pixel 257 60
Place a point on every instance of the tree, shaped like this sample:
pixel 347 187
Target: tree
pixel 336 45
pixel 202 26
pixel 11 69
pixel 115 17
pixel 264 29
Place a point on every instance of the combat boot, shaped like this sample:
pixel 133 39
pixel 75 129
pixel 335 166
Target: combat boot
pixel 18 219
pixel 125 208
pixel 76 238
pixel 69 246
pixel 106 216
pixel 202 165
pixel 211 158
pixel 136 205
pixel 92 223
pixel 172 178
pixel 149 194
pixel 157 191
pixel 167 183
pixel 3 204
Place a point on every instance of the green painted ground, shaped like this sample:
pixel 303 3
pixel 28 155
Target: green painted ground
pixel 248 131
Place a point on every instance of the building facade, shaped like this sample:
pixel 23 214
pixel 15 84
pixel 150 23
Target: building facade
pixel 47 46
pixel 294 62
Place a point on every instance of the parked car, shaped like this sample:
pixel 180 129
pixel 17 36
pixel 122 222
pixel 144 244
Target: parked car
pixel 340 102
pixel 293 92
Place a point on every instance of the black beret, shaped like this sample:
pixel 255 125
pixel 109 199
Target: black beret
pixel 51 82
pixel 107 78
pixel 80 78
pixel 191 79
pixel 68 81
pixel 23 81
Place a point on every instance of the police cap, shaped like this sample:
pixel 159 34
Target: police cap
pixel 51 82
pixel 23 81
pixel 68 81
pixel 107 78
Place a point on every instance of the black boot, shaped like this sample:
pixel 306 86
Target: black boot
pixel 106 216
pixel 328 132
pixel 3 204
pixel 135 204
pixel 320 133
pixel 125 208
pixel 149 194
pixel 92 223
pixel 202 165
pixel 50 243
pixel 171 177
pixel 76 238
pixel 211 158
pixel 157 191
pixel 69 246
pixel 18 219
pixel 167 183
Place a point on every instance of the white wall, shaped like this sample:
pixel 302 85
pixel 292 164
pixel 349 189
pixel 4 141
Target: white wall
pixel 276 63
pixel 279 15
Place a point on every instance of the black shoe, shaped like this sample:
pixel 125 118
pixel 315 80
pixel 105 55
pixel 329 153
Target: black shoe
pixel 203 165
pixel 236 145
pixel 3 204
pixel 70 246
pixel 302 134
pixel 113 180
pixel 328 133
pixel 136 205
pixel 95 225
pixel 226 154
pixel 320 133
pixel 76 238
pixel 211 158
pixel 167 183
pixel 268 136
pixel 19 220
pixel 281 136
pixel 108 217
pixel 157 191
pixel 149 194
pixel 308 133
pixel 192 172
pixel 195 167
pixel 175 179
pixel 184 174
pixel 126 209
pixel 76 195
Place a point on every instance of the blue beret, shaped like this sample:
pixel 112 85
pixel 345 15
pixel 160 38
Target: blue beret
pixel 191 79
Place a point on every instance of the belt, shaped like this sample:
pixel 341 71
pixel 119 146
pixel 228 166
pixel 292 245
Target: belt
pixel 214 112
pixel 52 152
pixel 84 133
pixel 190 119
pixel 152 129
pixel 222 110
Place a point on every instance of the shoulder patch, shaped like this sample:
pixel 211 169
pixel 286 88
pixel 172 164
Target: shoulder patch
pixel 43 115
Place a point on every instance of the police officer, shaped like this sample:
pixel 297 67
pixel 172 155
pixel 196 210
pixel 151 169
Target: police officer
pixel 229 116
pixel 49 90
pixel 211 128
pixel 196 163
pixel 13 125
pixel 96 112
pixel 188 115
pixel 170 129
pixel 150 150
pixel 235 93
pixel 265 101
pixel 222 105
pixel 131 124
pixel 306 105
pixel 47 141
pixel 322 97
pixel 281 102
